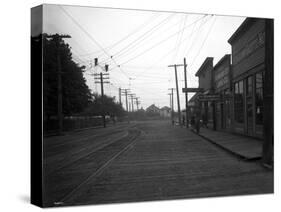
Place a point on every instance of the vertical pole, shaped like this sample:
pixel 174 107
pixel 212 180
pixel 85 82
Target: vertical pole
pixel 170 96
pixel 103 115
pixel 126 94
pixel 60 109
pixel 186 94
pixel 267 156
pixel 172 106
pixel 137 104
pixel 120 96
pixel 178 97
pixel 132 102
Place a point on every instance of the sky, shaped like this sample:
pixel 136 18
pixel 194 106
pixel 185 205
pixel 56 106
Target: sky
pixel 139 46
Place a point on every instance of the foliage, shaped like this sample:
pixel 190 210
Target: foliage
pixel 75 92
pixel 106 105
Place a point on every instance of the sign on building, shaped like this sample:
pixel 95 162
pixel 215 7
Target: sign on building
pixel 192 90
pixel 209 97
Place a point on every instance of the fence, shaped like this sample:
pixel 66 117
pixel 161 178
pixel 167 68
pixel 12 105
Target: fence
pixel 71 123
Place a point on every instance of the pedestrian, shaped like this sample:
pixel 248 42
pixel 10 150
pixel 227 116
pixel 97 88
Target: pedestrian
pixel 192 122
pixel 198 123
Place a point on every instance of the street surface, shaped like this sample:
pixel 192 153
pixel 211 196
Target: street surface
pixel 140 161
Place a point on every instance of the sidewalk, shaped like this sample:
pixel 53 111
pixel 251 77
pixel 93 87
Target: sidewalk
pixel 242 146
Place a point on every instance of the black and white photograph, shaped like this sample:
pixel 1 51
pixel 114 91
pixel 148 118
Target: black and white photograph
pixel 132 105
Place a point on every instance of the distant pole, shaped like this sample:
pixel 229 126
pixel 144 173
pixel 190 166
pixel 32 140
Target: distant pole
pixel 100 79
pixel 186 96
pixel 120 96
pixel 172 104
pixel 126 94
pixel 177 87
pixel 132 102
pixel 178 97
pixel 102 98
pixel 132 96
pixel 137 102
pixel 170 95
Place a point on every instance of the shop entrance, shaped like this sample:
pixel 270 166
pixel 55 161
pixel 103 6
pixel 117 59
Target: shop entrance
pixel 222 116
pixel 249 106
pixel 250 120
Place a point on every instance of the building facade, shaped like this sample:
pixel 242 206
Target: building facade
pixel 248 70
pixel 205 78
pixel 222 84
pixel 242 84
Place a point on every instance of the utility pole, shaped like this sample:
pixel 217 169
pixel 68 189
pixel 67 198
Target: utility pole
pixel 102 78
pixel 177 88
pixel 186 94
pixel 120 96
pixel 132 96
pixel 125 93
pixel 137 102
pixel 57 38
pixel 172 104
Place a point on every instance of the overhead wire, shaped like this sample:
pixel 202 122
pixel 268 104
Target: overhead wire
pixel 158 43
pixel 91 38
pixel 126 37
pixel 141 38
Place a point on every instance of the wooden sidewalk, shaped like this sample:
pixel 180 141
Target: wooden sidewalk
pixel 242 146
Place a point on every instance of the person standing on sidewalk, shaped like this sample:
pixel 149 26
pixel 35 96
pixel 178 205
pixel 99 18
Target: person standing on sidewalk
pixel 197 122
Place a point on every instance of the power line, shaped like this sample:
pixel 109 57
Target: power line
pixel 158 43
pixel 207 35
pixel 144 36
pixel 126 37
pixel 91 38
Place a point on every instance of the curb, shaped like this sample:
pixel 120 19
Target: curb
pixel 242 157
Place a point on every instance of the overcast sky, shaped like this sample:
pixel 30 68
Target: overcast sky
pixel 143 44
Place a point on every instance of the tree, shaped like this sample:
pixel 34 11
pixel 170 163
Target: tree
pixel 75 92
pixel 108 105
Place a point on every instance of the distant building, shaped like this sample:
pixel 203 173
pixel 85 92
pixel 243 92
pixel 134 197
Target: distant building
pixel 205 78
pixel 165 112
pixel 204 74
pixel 153 109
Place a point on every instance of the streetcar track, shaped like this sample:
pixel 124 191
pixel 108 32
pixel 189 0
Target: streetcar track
pixel 95 149
pixel 100 169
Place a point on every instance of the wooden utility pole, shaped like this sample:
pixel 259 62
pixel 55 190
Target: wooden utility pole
pixel 177 88
pixel 132 96
pixel 172 104
pixel 120 96
pixel 137 102
pixel 102 78
pixel 125 93
pixel 57 38
pixel 186 94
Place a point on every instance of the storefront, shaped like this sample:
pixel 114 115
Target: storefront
pixel 222 87
pixel 205 75
pixel 248 69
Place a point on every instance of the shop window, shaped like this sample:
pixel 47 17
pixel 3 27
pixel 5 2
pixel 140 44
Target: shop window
pixel 239 102
pixel 249 86
pixel 259 98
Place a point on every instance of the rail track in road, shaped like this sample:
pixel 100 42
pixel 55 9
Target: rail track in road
pixel 65 179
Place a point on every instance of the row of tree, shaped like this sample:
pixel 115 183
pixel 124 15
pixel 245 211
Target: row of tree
pixel 77 97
